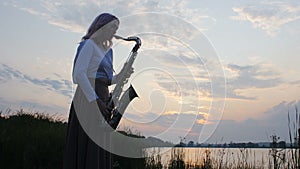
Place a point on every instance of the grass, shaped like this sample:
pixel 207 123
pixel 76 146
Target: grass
pixel 294 132
pixel 31 140
pixel 35 140
pixel 245 158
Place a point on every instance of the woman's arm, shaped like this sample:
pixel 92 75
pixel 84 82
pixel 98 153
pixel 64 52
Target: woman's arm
pixel 80 71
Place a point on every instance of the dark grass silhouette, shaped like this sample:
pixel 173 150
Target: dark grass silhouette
pixel 36 141
pixel 31 140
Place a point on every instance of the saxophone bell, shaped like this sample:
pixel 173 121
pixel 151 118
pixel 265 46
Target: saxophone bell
pixel 126 98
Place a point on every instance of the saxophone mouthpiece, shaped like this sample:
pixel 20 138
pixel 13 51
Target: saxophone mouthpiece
pixel 118 37
pixel 131 38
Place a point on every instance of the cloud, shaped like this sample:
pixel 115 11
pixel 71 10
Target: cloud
pixel 269 16
pixel 297 82
pixel 61 86
pixel 189 77
pixel 14 105
pixel 184 87
pixel 167 24
pixel 251 76
pixel 167 126
pixel 259 73
pixel 238 78
pixel 76 15
pixel 183 73
pixel 273 121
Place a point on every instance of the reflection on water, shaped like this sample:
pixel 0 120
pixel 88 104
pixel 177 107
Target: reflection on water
pixel 222 157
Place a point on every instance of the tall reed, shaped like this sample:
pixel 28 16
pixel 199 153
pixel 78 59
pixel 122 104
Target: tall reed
pixel 294 132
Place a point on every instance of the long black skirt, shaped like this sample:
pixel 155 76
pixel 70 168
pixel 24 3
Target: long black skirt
pixel 81 149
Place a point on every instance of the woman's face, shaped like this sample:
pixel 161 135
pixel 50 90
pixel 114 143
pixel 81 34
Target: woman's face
pixel 112 27
pixel 107 31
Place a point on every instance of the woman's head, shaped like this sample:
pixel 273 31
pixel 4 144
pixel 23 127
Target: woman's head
pixel 104 25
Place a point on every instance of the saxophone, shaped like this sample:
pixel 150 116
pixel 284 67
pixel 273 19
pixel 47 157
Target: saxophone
pixel 117 103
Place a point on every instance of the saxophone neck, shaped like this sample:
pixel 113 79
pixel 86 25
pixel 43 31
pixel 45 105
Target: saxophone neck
pixel 137 40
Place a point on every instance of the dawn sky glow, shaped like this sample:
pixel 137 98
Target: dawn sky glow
pixel 207 70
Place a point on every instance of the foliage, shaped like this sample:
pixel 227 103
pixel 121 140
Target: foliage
pixel 31 140
pixel 36 141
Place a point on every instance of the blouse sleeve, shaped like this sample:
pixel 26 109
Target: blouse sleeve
pixel 80 71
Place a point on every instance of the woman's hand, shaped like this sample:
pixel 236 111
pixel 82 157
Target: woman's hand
pixel 104 109
pixel 125 75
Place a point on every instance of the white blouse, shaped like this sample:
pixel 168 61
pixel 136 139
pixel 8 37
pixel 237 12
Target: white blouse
pixel 86 66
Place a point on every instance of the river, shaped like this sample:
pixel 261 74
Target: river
pixel 224 157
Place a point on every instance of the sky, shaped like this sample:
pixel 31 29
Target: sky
pixel 207 70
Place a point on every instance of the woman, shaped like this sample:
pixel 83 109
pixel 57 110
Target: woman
pixel 93 72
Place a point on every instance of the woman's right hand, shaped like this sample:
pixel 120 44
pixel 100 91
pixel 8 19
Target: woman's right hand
pixel 104 109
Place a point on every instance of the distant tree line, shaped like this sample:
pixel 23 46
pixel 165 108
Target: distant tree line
pixel 280 144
